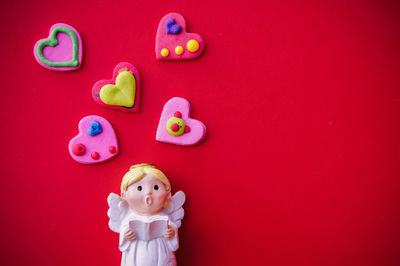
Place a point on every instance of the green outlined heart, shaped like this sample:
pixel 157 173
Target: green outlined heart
pixel 52 41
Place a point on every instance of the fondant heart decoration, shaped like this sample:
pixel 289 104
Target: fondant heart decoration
pixel 62 50
pixel 173 42
pixel 96 141
pixel 122 91
pixel 176 127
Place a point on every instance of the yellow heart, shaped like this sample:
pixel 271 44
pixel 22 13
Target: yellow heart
pixel 122 93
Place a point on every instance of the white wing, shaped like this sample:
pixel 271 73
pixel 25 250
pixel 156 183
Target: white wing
pixel 117 211
pixel 175 210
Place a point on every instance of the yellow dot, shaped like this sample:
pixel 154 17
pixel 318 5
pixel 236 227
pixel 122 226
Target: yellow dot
pixel 192 46
pixel 179 50
pixel 164 52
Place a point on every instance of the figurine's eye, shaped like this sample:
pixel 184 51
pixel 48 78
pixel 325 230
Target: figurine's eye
pixel 139 188
pixel 156 187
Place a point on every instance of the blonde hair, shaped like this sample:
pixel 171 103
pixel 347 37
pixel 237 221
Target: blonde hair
pixel 138 171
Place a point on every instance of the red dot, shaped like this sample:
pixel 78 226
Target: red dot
pixel 78 149
pixel 175 127
pixel 178 114
pixel 95 155
pixel 112 149
pixel 187 129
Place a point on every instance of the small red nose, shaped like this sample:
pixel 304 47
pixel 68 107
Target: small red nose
pixel 175 127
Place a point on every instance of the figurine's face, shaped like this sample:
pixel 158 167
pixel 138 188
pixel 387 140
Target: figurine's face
pixel 147 196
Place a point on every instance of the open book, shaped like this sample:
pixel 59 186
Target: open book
pixel 148 228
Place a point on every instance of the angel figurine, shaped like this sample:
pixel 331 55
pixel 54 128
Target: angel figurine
pixel 146 217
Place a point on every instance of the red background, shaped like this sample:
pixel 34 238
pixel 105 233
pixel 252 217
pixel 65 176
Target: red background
pixel 301 101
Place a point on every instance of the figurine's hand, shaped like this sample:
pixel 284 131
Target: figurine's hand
pixel 169 233
pixel 129 235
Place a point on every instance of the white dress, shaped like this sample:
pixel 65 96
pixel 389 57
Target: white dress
pixel 155 252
